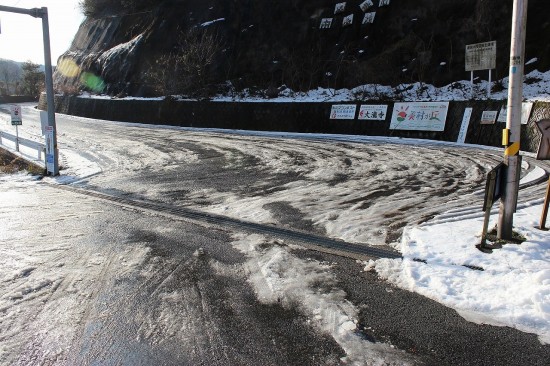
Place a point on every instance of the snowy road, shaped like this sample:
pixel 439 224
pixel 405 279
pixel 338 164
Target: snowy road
pixel 98 282
pixel 360 192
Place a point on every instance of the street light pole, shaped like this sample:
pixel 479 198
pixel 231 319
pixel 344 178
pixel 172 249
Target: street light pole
pixel 53 156
pixel 511 135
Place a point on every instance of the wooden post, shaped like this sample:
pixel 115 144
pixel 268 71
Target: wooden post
pixel 489 205
pixel 545 207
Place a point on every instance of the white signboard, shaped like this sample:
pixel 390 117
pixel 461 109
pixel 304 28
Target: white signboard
pixel 526 108
pixel 369 17
pixel 343 111
pixel 488 117
pixel 481 56
pixel 16 118
pixel 340 8
pixel 43 121
pixel 49 149
pixel 373 112
pixel 464 126
pixel 366 4
pixel 383 2
pixel 347 20
pixel 326 23
pixel 421 116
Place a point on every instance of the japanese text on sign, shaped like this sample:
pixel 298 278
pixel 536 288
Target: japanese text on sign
pixel 488 117
pixel 481 56
pixel 16 119
pixel 373 112
pixel 343 111
pixel 423 116
pixel 526 108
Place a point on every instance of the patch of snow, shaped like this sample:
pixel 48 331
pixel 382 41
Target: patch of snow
pixel 126 48
pixel 206 24
pixel 278 277
pixel 512 290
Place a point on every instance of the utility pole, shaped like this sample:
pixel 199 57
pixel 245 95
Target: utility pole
pixel 52 158
pixel 511 135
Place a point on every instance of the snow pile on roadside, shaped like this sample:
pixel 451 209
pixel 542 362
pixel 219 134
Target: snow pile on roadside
pixel 536 88
pixel 512 290
pixel 280 277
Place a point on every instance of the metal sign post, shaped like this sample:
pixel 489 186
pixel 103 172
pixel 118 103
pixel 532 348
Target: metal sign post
pixel 16 120
pixel 43 13
pixel 481 56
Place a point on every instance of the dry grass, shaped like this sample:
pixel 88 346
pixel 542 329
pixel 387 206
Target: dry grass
pixel 10 164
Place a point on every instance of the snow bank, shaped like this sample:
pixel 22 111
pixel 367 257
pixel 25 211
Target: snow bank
pixel 513 289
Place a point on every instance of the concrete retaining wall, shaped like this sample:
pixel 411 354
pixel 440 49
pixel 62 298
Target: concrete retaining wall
pixel 5 99
pixel 293 117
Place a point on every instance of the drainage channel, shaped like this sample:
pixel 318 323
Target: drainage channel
pixel 308 240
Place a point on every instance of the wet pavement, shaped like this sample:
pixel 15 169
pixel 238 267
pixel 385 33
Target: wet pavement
pixel 93 281
pixel 89 282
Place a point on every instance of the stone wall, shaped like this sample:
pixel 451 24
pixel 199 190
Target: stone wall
pixel 293 117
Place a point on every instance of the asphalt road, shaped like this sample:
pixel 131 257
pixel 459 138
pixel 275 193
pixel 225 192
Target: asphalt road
pixel 90 281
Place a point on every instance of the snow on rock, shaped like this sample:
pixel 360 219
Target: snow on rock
pixel 536 88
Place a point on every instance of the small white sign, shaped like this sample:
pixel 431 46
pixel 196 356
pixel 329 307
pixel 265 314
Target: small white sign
pixel 365 5
pixel 373 112
pixel 50 149
pixel 347 20
pixel 44 121
pixel 369 17
pixel 383 3
pixel 16 117
pixel 464 126
pixel 343 111
pixel 526 108
pixel 488 117
pixel 422 116
pixel 481 56
pixel 326 23
pixel 340 8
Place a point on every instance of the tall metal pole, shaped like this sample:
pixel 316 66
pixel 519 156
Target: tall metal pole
pixel 511 135
pixel 54 155
pixel 43 13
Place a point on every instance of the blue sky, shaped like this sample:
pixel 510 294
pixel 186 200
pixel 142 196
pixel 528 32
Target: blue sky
pixel 21 37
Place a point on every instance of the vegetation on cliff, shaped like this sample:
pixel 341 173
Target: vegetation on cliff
pixel 201 47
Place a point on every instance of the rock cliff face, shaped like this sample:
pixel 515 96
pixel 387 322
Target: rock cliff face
pixel 198 47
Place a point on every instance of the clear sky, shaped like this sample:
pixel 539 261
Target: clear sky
pixel 21 37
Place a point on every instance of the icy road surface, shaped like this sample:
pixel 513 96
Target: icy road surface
pixel 361 192
pixel 89 281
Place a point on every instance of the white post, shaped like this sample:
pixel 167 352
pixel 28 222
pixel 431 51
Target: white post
pixel 489 86
pixel 17 138
pixel 43 13
pixel 511 135
pixel 472 82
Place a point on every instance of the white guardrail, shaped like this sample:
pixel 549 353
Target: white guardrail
pixel 27 148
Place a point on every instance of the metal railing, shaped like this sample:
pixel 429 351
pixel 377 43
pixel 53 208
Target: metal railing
pixel 29 145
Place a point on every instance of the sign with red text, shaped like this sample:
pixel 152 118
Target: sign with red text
pixel 420 116
pixel 16 118
pixel 373 112
pixel 343 111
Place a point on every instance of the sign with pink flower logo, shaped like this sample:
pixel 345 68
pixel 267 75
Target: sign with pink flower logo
pixel 419 116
